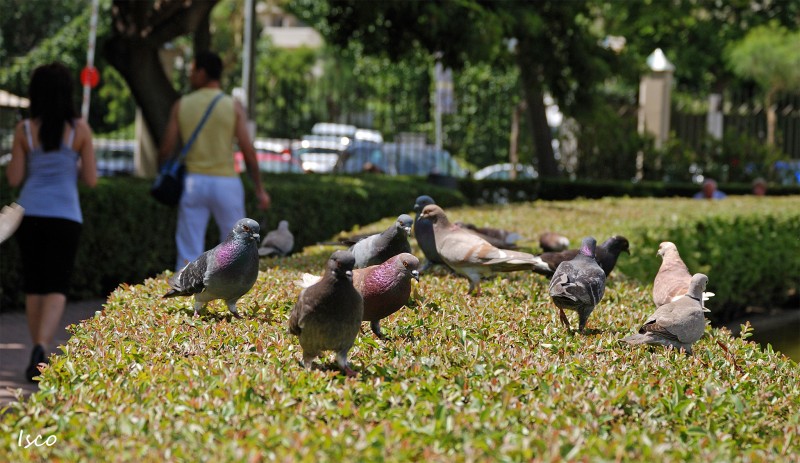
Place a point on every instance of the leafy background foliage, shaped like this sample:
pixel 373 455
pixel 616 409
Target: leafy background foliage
pixel 490 379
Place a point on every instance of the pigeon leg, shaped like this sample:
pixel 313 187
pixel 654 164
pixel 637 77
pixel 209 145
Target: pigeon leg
pixel 199 307
pixel 425 266
pixel 232 308
pixel 563 317
pixel 376 328
pixel 308 360
pixel 583 317
pixel 475 284
pixel 341 359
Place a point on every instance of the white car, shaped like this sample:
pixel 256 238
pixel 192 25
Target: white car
pixel 503 172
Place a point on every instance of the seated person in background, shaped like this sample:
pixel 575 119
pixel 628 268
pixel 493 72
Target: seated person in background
pixel 759 187
pixel 710 191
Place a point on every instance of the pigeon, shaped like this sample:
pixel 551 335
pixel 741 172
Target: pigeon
pixel 606 254
pixel 327 315
pixel 226 272
pixel 578 284
pixel 376 249
pixel 553 242
pixel 385 287
pixel 471 255
pixel 679 323
pixel 497 237
pixel 10 218
pixel 352 239
pixel 278 242
pixel 423 232
pixel 673 277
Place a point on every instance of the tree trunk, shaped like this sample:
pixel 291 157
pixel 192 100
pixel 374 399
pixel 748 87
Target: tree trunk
pixel 139 31
pixel 513 154
pixel 537 117
pixel 202 36
pixel 139 64
pixel 772 118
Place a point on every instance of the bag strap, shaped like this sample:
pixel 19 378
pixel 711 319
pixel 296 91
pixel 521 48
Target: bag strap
pixel 185 149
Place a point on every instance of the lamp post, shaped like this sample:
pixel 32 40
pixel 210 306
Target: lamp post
pixel 655 90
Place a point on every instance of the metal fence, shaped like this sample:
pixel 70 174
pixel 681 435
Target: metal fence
pixel 743 115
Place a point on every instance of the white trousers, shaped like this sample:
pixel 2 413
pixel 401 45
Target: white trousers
pixel 205 196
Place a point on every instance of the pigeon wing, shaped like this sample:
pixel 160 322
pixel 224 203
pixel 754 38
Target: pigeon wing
pixel 191 279
pixel 301 309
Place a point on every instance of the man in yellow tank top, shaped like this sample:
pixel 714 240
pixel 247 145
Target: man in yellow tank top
pixel 211 187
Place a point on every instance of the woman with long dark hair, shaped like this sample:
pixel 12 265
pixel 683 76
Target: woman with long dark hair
pixel 51 151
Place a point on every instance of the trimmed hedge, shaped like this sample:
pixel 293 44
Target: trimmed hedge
pixel 128 236
pixel 747 245
pixel 554 189
pixel 495 378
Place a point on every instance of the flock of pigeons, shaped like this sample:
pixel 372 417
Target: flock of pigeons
pixel 372 279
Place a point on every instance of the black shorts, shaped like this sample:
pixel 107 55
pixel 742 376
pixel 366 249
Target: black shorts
pixel 48 248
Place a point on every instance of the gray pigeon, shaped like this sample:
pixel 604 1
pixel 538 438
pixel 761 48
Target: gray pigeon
pixel 553 242
pixel 679 324
pixel 226 272
pixel 278 242
pixel 376 249
pixel 673 277
pixel 385 287
pixel 327 315
pixel 423 232
pixel 606 255
pixel 472 256
pixel 578 284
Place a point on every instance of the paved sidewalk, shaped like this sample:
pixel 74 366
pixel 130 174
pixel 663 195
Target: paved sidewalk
pixel 15 345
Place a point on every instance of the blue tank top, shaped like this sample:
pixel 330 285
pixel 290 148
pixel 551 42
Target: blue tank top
pixel 51 183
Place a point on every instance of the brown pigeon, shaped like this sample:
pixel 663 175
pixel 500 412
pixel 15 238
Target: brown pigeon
pixel 578 284
pixel 471 255
pixel 606 254
pixel 673 277
pixel 553 242
pixel 679 324
pixel 385 287
pixel 327 315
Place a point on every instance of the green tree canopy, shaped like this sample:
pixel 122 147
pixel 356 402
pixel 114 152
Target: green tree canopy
pixel 769 55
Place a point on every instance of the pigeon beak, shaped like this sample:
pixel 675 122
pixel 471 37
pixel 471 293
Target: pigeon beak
pixel 415 275
pixel 256 236
pixel 408 230
pixel 349 275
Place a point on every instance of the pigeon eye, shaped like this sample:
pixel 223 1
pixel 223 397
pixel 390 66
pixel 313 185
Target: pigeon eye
pixel 405 264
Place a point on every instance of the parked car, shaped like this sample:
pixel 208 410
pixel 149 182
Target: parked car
pixel 332 129
pixel 114 157
pixel 365 156
pixel 272 157
pixel 319 153
pixel 346 130
pixel 414 159
pixel 503 172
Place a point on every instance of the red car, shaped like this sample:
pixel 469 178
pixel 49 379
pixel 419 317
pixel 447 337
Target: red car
pixel 272 157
